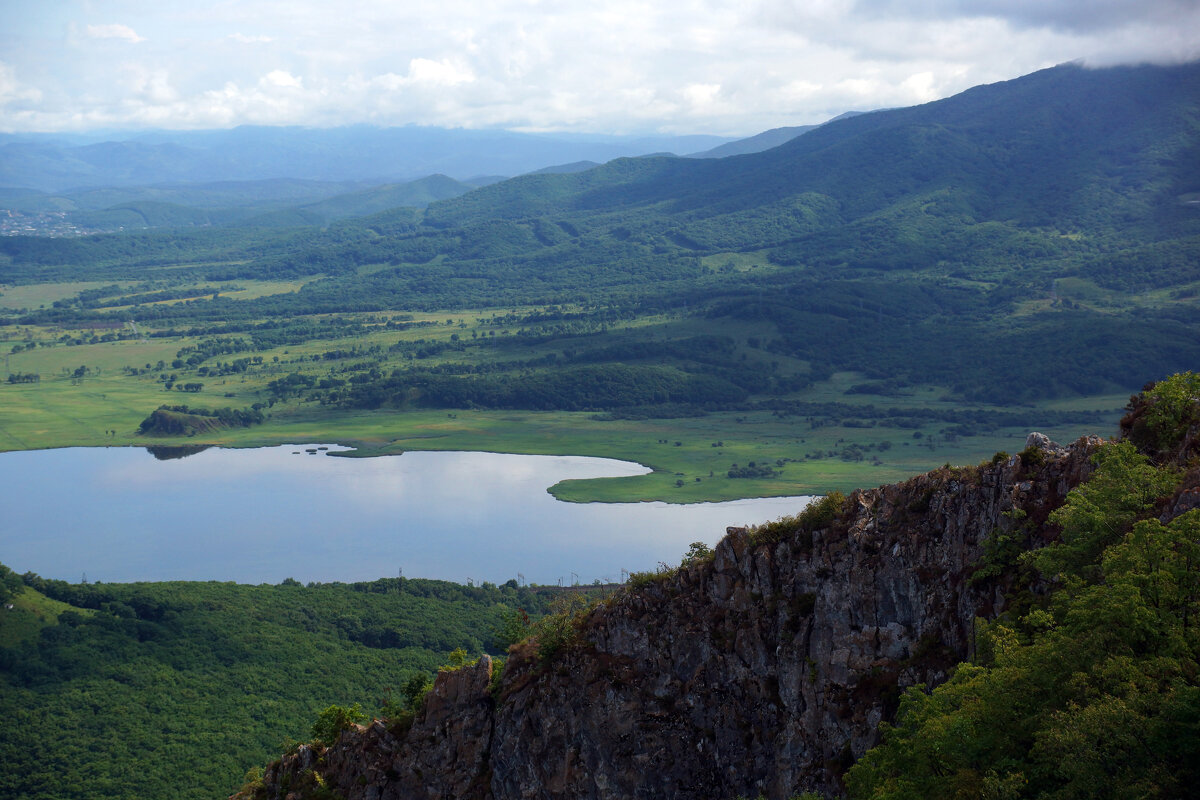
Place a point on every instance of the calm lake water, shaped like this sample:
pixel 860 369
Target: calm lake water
pixel 262 515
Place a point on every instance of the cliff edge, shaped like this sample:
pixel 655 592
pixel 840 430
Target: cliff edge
pixel 763 671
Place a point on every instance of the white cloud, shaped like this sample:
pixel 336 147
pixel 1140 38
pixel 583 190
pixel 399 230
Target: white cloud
pixel 242 38
pixel 152 86
pixel 702 96
pixel 281 79
pixel 424 71
pixel 12 90
pixel 618 66
pixel 114 31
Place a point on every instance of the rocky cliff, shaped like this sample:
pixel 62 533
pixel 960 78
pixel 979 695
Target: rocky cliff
pixel 764 670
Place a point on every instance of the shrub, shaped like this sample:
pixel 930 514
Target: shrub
pixel 697 552
pixel 335 719
pixel 562 628
pixel 1174 406
pixel 1032 457
pixel 819 514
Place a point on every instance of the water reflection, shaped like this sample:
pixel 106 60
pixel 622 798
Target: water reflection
pixel 169 452
pixel 267 514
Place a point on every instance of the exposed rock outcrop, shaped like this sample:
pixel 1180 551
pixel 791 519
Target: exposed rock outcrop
pixel 765 670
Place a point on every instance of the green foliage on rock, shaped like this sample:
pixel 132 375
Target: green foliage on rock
pixel 333 720
pixel 1097 693
pixel 820 513
pixel 1173 407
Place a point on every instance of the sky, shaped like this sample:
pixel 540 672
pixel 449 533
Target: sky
pixel 607 66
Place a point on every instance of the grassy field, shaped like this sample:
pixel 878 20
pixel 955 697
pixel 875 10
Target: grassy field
pixel 93 392
pixel 43 294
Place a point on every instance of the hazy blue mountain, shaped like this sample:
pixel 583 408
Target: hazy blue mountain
pixel 277 192
pixel 576 166
pixel 56 163
pixel 765 140
pixel 413 194
pixel 755 144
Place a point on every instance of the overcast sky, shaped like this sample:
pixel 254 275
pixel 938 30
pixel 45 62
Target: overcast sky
pixel 606 66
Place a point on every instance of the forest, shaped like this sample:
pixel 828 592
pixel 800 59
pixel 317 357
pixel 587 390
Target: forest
pixel 176 689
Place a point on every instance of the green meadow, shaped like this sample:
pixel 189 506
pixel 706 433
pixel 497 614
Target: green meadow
pixel 825 437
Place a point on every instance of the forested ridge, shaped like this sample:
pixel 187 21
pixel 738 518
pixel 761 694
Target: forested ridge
pixel 173 689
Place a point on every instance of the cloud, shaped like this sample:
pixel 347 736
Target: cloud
pixel 242 38
pixel 282 79
pixel 12 91
pixel 114 32
pixel 152 87
pixel 622 66
pixel 1078 16
pixel 424 71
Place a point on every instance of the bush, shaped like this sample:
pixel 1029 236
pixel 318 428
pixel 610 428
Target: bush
pixel 819 514
pixel 697 552
pixel 562 629
pixel 1174 406
pixel 335 719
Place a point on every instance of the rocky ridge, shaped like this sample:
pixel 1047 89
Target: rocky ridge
pixel 763 671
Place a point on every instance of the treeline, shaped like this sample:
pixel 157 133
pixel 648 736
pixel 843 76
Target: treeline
pixel 594 388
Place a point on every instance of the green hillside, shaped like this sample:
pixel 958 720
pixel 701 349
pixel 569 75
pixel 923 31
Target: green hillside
pixel 172 689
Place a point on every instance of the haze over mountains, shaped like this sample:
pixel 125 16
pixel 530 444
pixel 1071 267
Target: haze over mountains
pixel 1047 226
pixel 55 163
pixel 287 176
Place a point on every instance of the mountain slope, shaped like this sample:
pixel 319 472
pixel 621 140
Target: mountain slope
pixel 1052 147
pixel 755 144
pixel 765 140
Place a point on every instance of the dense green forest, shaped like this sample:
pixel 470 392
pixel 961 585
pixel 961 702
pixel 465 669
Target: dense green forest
pixel 174 689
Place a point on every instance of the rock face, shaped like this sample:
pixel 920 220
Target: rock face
pixel 764 671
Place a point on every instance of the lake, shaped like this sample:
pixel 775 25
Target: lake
pixel 262 515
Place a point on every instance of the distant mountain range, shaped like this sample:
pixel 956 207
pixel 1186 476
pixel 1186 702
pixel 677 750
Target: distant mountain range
pixel 54 163
pixel 765 140
pixel 285 177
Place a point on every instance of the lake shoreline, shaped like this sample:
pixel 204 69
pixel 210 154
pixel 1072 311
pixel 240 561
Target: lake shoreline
pixel 264 514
